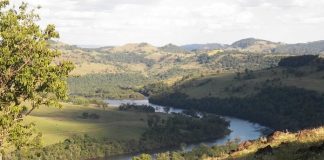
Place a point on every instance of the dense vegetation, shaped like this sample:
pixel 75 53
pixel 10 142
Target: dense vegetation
pixel 122 85
pixel 107 85
pixel 126 58
pixel 79 147
pixel 201 152
pixel 136 108
pixel 180 129
pixel 299 61
pixel 154 88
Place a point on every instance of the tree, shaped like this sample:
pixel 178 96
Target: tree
pixel 163 156
pixel 143 157
pixel 30 73
pixel 203 58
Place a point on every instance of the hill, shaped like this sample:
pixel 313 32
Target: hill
pixel 208 46
pixel 167 64
pixel 305 144
pixel 171 48
pixel 286 97
pixel 132 48
pixel 316 47
pixel 255 45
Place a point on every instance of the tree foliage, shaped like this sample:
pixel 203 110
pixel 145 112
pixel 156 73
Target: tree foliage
pixel 180 129
pixel 29 74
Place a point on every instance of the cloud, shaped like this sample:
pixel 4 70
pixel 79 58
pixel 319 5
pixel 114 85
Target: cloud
pixel 107 22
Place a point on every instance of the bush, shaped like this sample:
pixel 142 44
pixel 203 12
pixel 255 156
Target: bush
pixel 86 115
pixel 137 108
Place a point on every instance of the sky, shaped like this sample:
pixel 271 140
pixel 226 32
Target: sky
pixel 116 22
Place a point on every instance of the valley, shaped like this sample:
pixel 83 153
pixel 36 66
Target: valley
pixel 248 74
pixel 100 80
pixel 248 80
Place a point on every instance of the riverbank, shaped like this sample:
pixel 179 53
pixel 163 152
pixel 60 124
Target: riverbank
pixel 92 131
pixel 240 129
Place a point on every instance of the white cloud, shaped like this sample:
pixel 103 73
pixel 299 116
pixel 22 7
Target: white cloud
pixel 107 22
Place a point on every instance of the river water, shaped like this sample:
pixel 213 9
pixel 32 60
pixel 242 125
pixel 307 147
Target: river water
pixel 241 129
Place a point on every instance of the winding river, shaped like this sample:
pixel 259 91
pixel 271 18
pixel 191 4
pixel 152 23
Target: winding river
pixel 242 129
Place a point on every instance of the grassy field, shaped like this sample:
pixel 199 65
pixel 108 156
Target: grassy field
pixel 58 124
pixel 225 85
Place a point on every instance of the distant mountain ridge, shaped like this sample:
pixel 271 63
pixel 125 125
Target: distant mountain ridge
pixel 173 48
pixel 251 45
pixel 316 47
pixel 208 46
pixel 255 45
pixel 263 46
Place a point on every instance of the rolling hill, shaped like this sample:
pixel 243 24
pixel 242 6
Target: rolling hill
pixel 289 96
pixel 255 45
pixel 171 63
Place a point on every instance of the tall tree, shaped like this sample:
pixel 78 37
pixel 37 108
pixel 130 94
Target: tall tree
pixel 30 75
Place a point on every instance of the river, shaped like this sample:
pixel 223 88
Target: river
pixel 242 129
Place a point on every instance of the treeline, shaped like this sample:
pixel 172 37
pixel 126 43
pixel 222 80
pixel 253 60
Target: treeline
pixel 126 58
pixel 201 152
pixel 154 88
pixel 115 86
pixel 79 147
pixel 179 129
pixel 302 48
pixel 136 108
pixel 299 61
pixel 78 100
pixel 123 85
pixel 234 60
pixel 277 107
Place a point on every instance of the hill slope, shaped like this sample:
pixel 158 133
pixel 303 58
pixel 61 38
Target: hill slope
pixel 167 64
pixel 304 145
pixel 255 45
pixel 316 47
pixel 286 97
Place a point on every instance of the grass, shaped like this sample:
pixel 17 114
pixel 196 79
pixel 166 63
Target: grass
pixel 58 124
pixel 285 146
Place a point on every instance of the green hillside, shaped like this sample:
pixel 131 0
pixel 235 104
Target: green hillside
pixel 249 82
pixel 286 97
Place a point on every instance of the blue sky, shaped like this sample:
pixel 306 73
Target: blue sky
pixel 116 22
